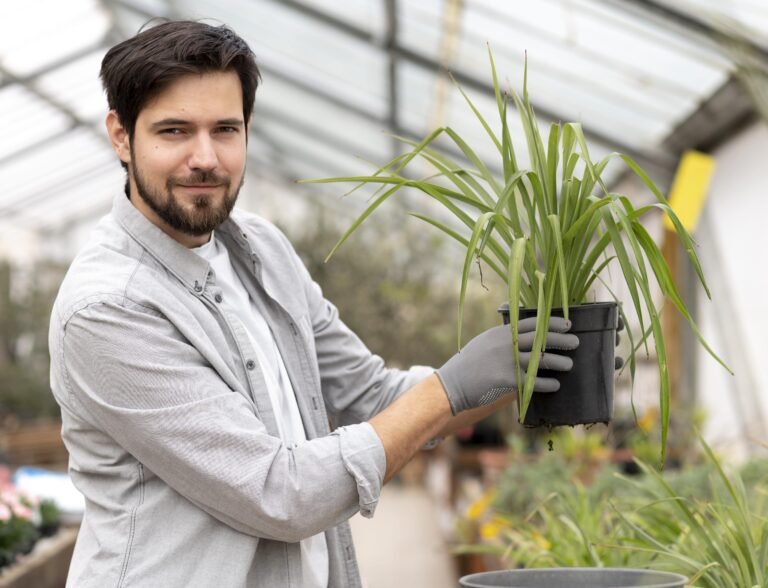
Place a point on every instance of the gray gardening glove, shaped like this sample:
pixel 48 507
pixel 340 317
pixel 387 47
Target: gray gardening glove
pixel 484 370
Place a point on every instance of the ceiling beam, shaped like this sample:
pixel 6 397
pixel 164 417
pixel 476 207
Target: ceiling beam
pixel 726 111
pixel 653 161
pixel 721 116
pixel 318 132
pixel 390 45
pixel 73 117
pixel 327 19
pixel 32 147
pixel 700 28
pixel 54 65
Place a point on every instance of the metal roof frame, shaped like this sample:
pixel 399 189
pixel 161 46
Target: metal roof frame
pixel 718 115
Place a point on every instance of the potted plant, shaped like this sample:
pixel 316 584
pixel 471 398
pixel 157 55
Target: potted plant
pixel 548 230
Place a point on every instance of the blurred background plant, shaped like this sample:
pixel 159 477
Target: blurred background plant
pixel 23 520
pixel 704 520
pixel 26 297
pixel 401 301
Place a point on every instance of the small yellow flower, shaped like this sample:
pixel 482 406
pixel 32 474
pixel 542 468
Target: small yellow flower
pixel 645 422
pixel 480 506
pixel 540 541
pixel 493 528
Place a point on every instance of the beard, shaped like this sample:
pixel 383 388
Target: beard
pixel 205 215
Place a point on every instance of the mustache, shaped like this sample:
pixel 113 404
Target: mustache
pixel 199 178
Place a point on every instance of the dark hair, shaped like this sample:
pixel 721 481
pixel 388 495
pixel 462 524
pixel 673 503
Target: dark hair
pixel 136 70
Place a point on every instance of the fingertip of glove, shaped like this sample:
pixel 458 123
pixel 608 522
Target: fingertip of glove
pixel 558 324
pixel 546 385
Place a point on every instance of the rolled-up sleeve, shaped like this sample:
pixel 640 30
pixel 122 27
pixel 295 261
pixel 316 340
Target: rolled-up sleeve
pixel 364 458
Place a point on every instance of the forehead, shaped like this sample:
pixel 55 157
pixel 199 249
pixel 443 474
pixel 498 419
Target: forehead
pixel 208 95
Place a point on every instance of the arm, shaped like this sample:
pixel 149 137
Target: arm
pixel 471 384
pixel 418 416
pixel 130 373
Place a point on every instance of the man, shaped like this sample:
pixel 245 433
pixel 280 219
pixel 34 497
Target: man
pixel 198 366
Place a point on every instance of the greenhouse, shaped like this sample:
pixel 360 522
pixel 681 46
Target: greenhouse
pixel 257 261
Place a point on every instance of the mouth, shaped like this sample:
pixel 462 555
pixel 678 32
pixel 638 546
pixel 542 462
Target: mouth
pixel 199 188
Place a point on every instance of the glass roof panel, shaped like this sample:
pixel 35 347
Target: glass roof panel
pixel 293 144
pixel 77 86
pixel 421 94
pixel 296 44
pixel 32 178
pixel 26 120
pixel 368 16
pixel 629 76
pixel 649 80
pixel 751 14
pixel 320 116
pixel 85 199
pixel 60 29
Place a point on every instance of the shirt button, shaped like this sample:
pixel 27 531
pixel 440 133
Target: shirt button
pixel 250 364
pixel 218 298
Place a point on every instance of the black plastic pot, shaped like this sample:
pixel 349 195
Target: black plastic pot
pixel 586 392
pixel 574 578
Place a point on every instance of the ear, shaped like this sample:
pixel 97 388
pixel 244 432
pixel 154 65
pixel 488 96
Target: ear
pixel 118 136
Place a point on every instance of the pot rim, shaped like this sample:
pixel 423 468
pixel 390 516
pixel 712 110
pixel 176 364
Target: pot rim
pixel 505 306
pixel 665 579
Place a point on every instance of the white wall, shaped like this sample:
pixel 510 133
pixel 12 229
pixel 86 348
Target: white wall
pixel 733 237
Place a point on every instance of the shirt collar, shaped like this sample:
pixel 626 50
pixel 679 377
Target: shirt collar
pixel 190 268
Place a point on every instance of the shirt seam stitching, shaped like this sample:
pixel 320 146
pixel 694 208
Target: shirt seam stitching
pixel 132 530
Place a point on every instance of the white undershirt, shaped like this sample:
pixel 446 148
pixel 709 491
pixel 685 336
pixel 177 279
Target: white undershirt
pixel 314 550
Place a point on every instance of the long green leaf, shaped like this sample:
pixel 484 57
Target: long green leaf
pixel 464 242
pixel 554 222
pixel 542 321
pixel 667 285
pixel 552 162
pixel 517 255
pixel 477 232
pixel 685 237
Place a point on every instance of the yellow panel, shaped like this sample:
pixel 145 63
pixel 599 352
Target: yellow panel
pixel 689 188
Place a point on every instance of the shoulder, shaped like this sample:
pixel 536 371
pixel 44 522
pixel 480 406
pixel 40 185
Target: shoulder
pixel 102 271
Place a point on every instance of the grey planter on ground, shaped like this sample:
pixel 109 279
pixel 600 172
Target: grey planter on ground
pixel 574 578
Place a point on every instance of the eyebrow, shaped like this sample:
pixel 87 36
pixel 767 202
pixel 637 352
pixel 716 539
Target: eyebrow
pixel 179 122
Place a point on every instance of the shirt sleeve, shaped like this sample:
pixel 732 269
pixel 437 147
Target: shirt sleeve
pixel 131 373
pixel 356 384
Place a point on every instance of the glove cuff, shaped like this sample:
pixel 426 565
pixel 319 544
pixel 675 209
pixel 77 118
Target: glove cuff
pixel 450 393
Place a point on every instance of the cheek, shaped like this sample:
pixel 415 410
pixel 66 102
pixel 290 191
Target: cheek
pixel 234 160
pixel 158 160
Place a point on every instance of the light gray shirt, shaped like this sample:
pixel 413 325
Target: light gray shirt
pixel 314 550
pixel 172 436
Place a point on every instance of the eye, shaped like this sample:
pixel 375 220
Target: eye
pixel 228 129
pixel 171 131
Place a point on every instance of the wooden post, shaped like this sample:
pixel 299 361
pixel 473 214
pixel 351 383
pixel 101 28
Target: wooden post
pixel 686 198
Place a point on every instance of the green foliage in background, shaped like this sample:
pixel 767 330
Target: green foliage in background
pixel 26 298
pixel 397 291
pixel 705 521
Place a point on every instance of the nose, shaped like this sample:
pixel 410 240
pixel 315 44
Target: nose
pixel 203 155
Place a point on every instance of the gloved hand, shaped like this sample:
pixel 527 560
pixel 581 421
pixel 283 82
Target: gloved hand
pixel 618 360
pixel 484 370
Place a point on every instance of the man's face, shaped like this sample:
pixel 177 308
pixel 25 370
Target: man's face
pixel 187 156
